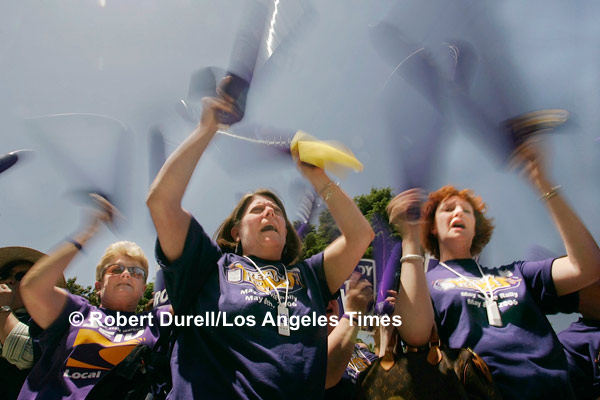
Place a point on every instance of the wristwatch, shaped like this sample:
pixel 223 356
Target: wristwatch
pixel 5 309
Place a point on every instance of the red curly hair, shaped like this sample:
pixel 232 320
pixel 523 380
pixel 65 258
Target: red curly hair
pixel 484 226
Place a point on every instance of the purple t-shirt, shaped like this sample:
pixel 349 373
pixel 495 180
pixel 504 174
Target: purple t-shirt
pixel 74 358
pixel 524 355
pixel 247 360
pixel 581 341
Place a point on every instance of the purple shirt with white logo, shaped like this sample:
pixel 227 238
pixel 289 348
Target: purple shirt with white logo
pixel 524 355
pixel 232 355
pixel 581 341
pixel 74 358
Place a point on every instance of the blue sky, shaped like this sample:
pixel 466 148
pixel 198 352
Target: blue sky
pixel 131 61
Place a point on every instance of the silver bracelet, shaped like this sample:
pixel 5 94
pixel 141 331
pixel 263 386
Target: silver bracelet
pixel 412 257
pixel 553 192
pixel 330 190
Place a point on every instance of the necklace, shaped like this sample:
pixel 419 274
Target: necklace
pixel 283 314
pixel 493 312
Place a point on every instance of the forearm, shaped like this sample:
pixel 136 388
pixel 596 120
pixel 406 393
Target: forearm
pixel 18 347
pixel 352 224
pixel 413 303
pixel 42 277
pixel 173 178
pixel 7 323
pixel 43 300
pixel 341 256
pixel 166 192
pixel 340 344
pixel 582 250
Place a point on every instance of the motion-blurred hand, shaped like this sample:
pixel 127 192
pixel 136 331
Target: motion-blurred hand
pixel 212 105
pixel 402 212
pixel 529 158
pixel 359 293
pixel 310 172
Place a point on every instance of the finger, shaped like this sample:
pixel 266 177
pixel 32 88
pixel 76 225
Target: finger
pixel 355 276
pixel 224 82
pixel 102 206
pixel 225 97
pixel 220 104
pixel 221 87
pixel 362 283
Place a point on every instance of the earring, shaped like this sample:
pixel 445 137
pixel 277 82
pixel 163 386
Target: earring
pixel 237 245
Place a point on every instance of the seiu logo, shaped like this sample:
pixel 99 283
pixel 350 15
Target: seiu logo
pixel 237 274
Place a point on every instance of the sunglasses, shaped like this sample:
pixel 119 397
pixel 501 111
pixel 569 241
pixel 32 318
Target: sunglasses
pixel 17 276
pixel 118 269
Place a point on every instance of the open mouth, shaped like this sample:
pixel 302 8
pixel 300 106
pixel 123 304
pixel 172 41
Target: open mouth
pixel 458 225
pixel 268 228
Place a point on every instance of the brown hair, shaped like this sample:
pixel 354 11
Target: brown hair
pixel 293 244
pixel 484 226
pixel 123 248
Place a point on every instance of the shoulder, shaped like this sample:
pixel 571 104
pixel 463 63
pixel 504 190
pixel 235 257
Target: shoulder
pixel 311 262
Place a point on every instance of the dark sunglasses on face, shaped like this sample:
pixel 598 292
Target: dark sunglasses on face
pixel 17 276
pixel 118 269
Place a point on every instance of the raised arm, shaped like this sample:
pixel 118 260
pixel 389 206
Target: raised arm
pixel 341 256
pixel 44 302
pixel 341 341
pixel 582 263
pixel 166 192
pixel 413 303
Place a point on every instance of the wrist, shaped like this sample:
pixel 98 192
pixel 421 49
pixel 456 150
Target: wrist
pixel 5 309
pixel 412 257
pixel 327 190
pixel 553 191
pixel 543 185
pixel 411 235
pixel 78 245
pixel 353 317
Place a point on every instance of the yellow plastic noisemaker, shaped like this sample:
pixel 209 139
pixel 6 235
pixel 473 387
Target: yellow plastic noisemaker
pixel 329 155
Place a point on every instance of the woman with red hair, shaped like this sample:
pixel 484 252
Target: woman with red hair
pixel 500 313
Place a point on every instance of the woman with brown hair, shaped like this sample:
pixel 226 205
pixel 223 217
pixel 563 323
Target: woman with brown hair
pixel 500 312
pixel 250 285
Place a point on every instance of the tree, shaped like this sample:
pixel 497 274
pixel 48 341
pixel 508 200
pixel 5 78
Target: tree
pixel 88 292
pixel 370 205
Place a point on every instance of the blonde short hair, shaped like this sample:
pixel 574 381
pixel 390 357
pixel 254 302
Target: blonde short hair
pixel 123 248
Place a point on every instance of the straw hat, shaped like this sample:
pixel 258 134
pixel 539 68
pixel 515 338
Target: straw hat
pixel 18 253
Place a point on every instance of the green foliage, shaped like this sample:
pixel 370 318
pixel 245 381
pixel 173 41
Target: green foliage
pixel 374 203
pixel 369 204
pixel 146 297
pixel 89 293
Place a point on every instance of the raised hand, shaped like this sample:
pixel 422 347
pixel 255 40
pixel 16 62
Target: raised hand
pixel 402 212
pixel 359 293
pixel 529 159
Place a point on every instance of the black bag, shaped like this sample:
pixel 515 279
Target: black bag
pixel 145 374
pixel 435 373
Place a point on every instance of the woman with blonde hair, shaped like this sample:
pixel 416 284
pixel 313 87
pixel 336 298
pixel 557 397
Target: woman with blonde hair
pixel 80 342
